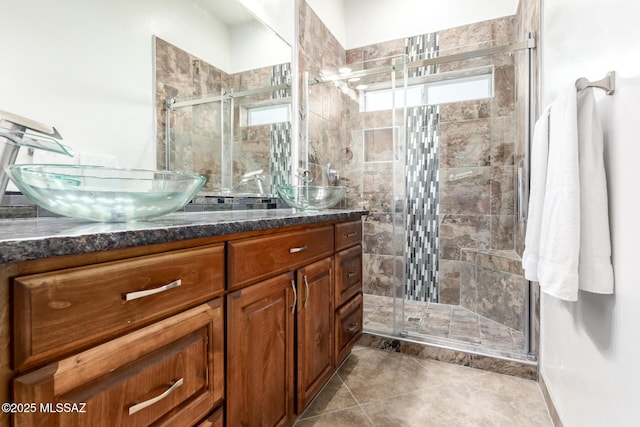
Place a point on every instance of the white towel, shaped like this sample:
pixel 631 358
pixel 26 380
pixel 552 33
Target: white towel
pixel 595 269
pixel 538 175
pixel 567 245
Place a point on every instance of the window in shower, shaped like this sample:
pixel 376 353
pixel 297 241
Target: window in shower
pixel 455 86
pixel 268 114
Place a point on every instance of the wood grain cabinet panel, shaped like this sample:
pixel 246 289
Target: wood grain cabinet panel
pixel 260 362
pixel 348 234
pixel 348 274
pixel 315 329
pixel 59 312
pixel 348 324
pixel 170 373
pixel 214 420
pixel 253 259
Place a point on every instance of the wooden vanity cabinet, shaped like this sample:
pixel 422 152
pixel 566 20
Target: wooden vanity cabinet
pixel 260 353
pixel 314 329
pixel 274 372
pixel 169 373
pixel 242 330
pixel 348 300
pixel 61 311
pixel 134 341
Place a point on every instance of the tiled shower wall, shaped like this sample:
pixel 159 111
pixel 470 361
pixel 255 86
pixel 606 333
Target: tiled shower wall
pixel 476 154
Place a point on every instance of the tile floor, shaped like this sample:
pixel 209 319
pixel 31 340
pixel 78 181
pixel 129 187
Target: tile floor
pixel 379 388
pixel 442 321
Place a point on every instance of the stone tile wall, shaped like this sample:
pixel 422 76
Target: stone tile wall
pixel 477 152
pixel 492 285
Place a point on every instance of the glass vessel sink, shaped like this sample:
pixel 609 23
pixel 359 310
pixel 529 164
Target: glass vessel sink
pixel 105 194
pixel 308 197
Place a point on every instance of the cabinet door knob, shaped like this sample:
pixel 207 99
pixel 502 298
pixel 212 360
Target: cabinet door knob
pixel 352 234
pixel 298 249
pixel 141 294
pixel 351 274
pixel 140 406
pixel 295 296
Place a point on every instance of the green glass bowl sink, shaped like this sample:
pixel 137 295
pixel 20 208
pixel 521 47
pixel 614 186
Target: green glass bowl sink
pixel 105 194
pixel 310 198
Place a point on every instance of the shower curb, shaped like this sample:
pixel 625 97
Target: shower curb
pixel 518 368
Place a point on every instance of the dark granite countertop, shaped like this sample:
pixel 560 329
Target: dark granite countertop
pixel 29 239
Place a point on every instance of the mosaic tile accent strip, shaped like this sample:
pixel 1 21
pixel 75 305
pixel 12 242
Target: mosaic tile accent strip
pixel 423 46
pixel 280 133
pixel 422 183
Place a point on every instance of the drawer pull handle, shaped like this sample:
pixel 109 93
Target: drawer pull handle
pixel 306 298
pixel 351 274
pixel 298 249
pixel 295 296
pixel 140 406
pixel 141 294
pixel 353 327
pixel 352 234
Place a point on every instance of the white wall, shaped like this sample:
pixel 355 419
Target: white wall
pixel 86 67
pixel 254 45
pixel 589 349
pixel 279 15
pixel 373 21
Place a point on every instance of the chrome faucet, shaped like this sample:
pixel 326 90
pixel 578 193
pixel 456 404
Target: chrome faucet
pixel 255 176
pixel 304 175
pixel 332 175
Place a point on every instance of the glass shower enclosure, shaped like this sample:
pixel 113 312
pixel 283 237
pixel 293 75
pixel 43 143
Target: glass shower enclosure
pixel 429 144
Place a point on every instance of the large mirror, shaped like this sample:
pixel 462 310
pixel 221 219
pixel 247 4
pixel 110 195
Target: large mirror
pixel 229 120
pixel 88 68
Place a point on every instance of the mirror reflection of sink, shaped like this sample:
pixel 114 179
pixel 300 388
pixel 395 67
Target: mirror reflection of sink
pixel 308 197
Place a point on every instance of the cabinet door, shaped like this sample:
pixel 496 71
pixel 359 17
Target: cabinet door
pixel 260 339
pixel 168 373
pixel 315 329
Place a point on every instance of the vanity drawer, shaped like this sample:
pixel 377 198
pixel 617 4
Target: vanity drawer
pixel 348 281
pixel 168 373
pixel 348 234
pixel 348 328
pixel 59 312
pixel 257 258
pixel 216 419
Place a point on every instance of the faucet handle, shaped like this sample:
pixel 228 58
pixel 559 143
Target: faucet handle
pixel 304 175
pixel 332 174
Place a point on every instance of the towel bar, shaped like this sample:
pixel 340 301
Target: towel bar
pixel 608 83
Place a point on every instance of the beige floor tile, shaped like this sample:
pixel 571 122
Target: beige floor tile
pixel 352 417
pixel 376 374
pixel 508 401
pixel 422 409
pixel 394 389
pixel 333 397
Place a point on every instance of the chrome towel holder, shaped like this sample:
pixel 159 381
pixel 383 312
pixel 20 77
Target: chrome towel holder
pixel 608 83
